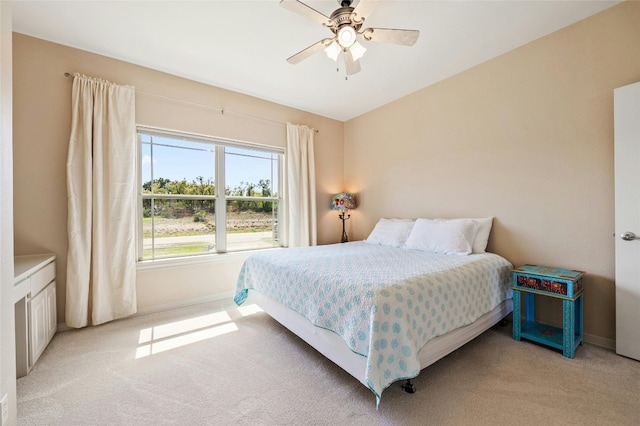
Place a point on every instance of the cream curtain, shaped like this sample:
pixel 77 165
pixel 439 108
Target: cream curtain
pixel 101 260
pixel 299 188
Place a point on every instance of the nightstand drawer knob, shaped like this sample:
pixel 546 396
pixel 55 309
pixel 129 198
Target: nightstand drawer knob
pixel 629 236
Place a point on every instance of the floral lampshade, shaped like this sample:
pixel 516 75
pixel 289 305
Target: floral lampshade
pixel 343 201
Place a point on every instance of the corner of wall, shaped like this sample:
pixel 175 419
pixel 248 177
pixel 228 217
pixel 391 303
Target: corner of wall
pixel 7 328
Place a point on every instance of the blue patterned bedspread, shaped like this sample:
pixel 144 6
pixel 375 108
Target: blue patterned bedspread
pixel 384 302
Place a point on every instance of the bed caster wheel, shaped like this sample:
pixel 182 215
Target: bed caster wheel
pixel 409 387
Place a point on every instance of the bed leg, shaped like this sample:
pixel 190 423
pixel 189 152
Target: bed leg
pixel 409 387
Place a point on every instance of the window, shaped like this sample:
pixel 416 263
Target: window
pixel 201 195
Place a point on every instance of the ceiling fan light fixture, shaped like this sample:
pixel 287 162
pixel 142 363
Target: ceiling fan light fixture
pixel 346 36
pixel 357 51
pixel 346 25
pixel 333 50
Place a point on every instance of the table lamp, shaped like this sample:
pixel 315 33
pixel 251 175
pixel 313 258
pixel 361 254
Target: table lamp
pixel 343 202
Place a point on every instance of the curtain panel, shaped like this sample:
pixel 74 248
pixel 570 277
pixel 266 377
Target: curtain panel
pixel 101 176
pixel 300 188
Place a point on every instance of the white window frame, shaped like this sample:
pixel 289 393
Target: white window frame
pixel 220 198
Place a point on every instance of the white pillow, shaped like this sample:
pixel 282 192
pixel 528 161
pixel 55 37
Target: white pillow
pixel 390 232
pixel 438 236
pixel 484 229
pixel 482 237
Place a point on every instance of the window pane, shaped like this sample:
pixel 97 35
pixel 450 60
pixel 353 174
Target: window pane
pixel 251 224
pixel 251 173
pixel 177 166
pixel 178 227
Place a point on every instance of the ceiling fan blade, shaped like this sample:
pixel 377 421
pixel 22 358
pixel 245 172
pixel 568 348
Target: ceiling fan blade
pixel 305 53
pixel 390 35
pixel 352 67
pixel 307 11
pixel 364 9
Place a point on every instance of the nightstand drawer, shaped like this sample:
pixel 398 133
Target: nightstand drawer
pixel 558 282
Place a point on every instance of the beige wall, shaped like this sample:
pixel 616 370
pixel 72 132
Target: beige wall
pixel 527 138
pixel 41 128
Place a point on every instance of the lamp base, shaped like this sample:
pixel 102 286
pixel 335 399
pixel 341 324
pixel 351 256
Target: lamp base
pixel 343 217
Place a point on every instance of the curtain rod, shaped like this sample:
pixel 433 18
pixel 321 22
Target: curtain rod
pixel 221 110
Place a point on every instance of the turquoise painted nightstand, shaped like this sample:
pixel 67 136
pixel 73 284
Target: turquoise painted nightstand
pixel 564 284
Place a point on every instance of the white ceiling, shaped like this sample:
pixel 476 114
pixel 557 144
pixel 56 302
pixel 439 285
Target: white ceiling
pixel 243 45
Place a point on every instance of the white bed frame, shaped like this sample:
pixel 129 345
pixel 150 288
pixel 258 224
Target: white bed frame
pixel 333 347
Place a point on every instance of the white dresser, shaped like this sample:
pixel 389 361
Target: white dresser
pixel 35 308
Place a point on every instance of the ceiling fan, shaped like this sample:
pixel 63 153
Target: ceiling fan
pixel 346 25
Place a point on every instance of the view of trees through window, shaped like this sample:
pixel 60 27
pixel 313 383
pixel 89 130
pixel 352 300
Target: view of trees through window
pixel 180 197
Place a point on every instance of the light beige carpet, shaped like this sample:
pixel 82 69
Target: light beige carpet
pixel 212 364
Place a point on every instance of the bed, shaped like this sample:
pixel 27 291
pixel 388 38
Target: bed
pixel 382 312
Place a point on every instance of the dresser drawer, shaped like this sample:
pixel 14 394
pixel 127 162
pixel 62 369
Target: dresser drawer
pixel 44 276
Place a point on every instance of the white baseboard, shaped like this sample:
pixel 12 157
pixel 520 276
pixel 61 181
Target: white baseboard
pixel 599 341
pixel 174 305
pixel 183 303
pixel 587 338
